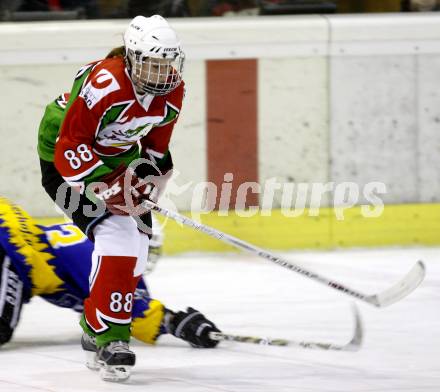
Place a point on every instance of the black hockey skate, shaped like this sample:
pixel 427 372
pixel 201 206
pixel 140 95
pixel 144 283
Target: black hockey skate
pixel 114 361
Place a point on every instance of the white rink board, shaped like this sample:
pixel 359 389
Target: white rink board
pixel 246 295
pixel 429 124
pixel 312 70
pixel 374 123
pixel 26 90
pixel 295 128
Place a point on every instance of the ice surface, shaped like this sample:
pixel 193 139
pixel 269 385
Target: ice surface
pixel 248 295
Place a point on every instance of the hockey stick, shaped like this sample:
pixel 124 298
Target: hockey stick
pixel 353 345
pixel 393 294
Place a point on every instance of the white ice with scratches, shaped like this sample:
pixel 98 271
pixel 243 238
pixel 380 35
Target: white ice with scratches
pixel 247 295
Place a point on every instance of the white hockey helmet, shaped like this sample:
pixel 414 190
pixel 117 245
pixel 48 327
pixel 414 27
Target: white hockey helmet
pixel 154 56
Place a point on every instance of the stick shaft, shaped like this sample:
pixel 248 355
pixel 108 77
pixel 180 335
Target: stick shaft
pixel 256 250
pixel 283 342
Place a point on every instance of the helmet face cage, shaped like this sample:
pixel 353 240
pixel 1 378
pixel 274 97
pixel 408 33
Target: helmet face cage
pixel 155 75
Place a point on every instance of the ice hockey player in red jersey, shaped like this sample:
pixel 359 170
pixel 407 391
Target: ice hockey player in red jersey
pixel 104 154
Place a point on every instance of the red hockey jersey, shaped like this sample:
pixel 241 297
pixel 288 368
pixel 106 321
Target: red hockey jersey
pixel 106 123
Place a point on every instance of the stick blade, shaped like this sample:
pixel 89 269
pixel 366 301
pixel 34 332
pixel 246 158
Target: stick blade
pixel 358 335
pixel 354 344
pixel 402 288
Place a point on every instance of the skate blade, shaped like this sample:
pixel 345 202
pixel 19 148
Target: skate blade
pixel 115 373
pixel 92 360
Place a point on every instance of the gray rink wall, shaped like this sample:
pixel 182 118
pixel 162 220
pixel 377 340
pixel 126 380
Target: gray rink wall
pixel 340 98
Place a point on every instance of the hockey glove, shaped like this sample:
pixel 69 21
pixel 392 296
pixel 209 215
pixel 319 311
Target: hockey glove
pixel 193 327
pixel 158 184
pixel 155 172
pixel 123 191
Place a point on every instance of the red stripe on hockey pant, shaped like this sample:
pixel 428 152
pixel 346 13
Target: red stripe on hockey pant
pixel 232 129
pixel 111 296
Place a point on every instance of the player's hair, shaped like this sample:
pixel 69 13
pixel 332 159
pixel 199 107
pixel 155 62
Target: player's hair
pixel 116 52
